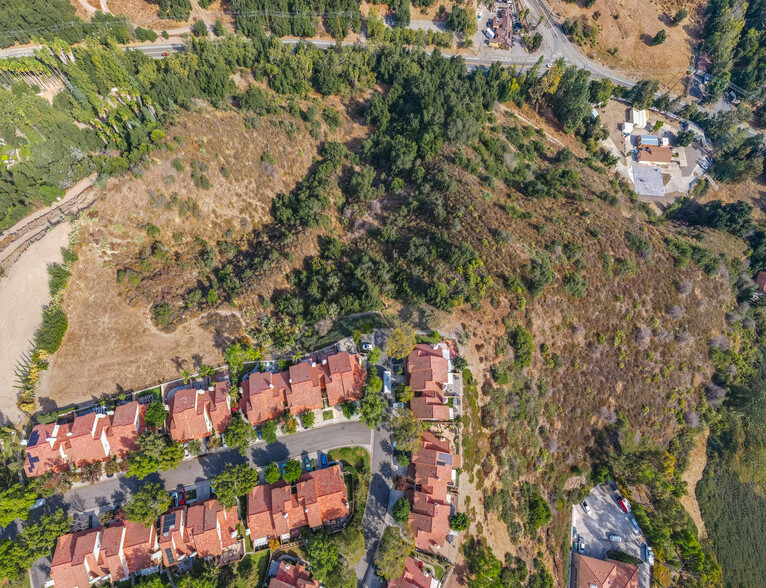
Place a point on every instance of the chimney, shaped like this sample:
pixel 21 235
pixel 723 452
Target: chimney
pixel 324 361
pixel 211 388
pixel 290 380
pixel 313 363
pixel 284 515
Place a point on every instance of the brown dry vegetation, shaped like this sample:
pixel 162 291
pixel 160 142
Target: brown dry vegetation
pixel 633 32
pixel 110 328
pixel 142 14
pixel 666 324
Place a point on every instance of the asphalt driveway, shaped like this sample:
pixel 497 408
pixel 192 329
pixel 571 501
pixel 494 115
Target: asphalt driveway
pixel 607 518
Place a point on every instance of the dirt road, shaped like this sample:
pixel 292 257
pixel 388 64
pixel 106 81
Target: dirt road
pixel 14 241
pixel 23 293
pixel 692 475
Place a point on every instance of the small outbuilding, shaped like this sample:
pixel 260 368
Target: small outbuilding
pixel 638 117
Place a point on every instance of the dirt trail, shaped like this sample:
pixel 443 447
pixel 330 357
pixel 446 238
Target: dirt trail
pixel 14 241
pixel 692 475
pixel 23 293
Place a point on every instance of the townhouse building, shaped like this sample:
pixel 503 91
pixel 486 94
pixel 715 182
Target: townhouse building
pixel 433 472
pixel 429 372
pixel 204 529
pixel 113 553
pixel 304 386
pixel 198 413
pixel 280 510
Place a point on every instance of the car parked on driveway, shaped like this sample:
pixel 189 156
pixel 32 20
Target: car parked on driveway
pixel 324 461
pixel 585 507
pixel 624 504
pixel 307 463
pixel 648 554
pixel 615 538
pixel 367 347
pixel 634 524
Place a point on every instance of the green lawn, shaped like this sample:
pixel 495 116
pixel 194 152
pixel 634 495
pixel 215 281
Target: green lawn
pixel 328 415
pixel 353 456
pixel 251 571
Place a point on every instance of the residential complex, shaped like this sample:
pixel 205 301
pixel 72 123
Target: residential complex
pixel 429 372
pixel 279 511
pixel 95 436
pixel 198 413
pixel 293 575
pixel 205 530
pixel 113 553
pixel 588 572
pixel 304 386
pixel 433 471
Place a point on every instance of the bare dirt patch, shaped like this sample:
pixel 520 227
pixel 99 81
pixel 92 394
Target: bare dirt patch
pixel 111 346
pixel 632 33
pixel 692 475
pixel 143 14
pixel 23 293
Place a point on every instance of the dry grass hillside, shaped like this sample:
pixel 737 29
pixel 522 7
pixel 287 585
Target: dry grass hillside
pixel 110 328
pixel 630 27
pixel 619 327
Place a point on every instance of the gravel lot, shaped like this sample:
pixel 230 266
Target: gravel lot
pixel 607 518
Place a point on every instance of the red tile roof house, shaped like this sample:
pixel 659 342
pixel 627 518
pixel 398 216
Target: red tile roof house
pixel 114 553
pixel 413 577
pixel 195 414
pixel 265 396
pixel 429 370
pixel 127 424
pixel 290 575
pixel 432 470
pixel 212 530
pixel 45 452
pixel 87 438
pixel 202 530
pixel 278 511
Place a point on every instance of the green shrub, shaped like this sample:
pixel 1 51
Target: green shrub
pixel 401 510
pixel 51 332
pixel 178 165
pixel 163 314
pixel 58 276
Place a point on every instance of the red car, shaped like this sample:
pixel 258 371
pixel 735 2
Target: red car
pixel 164 53
pixel 624 504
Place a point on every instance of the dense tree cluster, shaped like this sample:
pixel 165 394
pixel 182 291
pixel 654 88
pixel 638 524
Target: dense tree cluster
pixel 298 18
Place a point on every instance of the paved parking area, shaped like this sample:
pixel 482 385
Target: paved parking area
pixel 607 518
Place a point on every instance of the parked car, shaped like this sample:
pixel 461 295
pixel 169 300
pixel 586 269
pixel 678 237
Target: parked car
pixel 38 503
pixel 624 504
pixel 634 523
pixel 324 461
pixel 367 346
pixel 173 499
pixel 308 464
pixel 258 433
pixel 181 496
pixel 581 546
pixel 649 554
pixel 615 538
pixel 585 507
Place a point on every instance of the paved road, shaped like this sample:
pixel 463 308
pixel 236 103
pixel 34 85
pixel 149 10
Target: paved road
pixel 115 491
pixel 112 492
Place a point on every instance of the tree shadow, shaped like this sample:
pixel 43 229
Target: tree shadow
pixel 647 39
pixel 264 455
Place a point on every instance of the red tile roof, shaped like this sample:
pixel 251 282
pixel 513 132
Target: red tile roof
pixel 413 576
pixel 173 538
pixel 277 509
pixel 344 378
pixel 87 439
pixel 120 550
pixel 604 573
pixel 194 413
pixel 431 470
pixel 209 527
pixel 44 452
pixel 127 423
pixel 430 408
pixel 291 575
pixel 428 368
pixel 265 396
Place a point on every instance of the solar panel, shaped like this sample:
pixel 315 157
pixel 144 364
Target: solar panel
pixel 170 556
pixel 170 523
pixel 34 437
pixel 32 461
pixel 446 458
